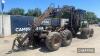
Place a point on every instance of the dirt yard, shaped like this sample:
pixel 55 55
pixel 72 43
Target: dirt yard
pixel 94 42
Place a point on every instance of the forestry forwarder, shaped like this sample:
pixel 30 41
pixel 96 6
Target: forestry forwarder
pixel 55 37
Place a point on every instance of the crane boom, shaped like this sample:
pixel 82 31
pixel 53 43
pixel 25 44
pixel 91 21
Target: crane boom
pixel 39 20
pixel 37 23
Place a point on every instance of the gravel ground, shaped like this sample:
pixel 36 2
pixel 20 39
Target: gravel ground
pixel 6 43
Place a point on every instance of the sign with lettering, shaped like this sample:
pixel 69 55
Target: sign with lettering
pixel 22 29
pixel 21 23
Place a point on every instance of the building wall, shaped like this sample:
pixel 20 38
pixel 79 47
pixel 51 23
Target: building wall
pixel 0 26
pixel 11 23
pixel 21 23
pixel 6 25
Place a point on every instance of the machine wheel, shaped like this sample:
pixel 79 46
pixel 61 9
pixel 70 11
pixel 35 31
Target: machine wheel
pixel 53 41
pixel 67 37
pixel 91 32
pixel 85 33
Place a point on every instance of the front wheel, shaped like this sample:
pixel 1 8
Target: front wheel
pixel 53 41
pixel 85 33
pixel 67 37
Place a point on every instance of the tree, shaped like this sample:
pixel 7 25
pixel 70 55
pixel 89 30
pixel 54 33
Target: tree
pixel 16 11
pixel 98 20
pixel 0 13
pixel 91 17
pixel 30 12
pixel 5 13
pixel 37 12
pixel 34 12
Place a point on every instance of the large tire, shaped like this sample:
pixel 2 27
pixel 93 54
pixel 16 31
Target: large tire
pixel 67 37
pixel 85 33
pixel 53 41
pixel 91 32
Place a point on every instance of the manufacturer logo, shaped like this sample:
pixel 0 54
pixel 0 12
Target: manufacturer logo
pixel 85 50
pixel 22 29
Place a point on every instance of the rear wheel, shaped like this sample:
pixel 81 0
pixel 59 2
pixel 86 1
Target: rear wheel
pixel 53 41
pixel 85 33
pixel 67 37
pixel 91 32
